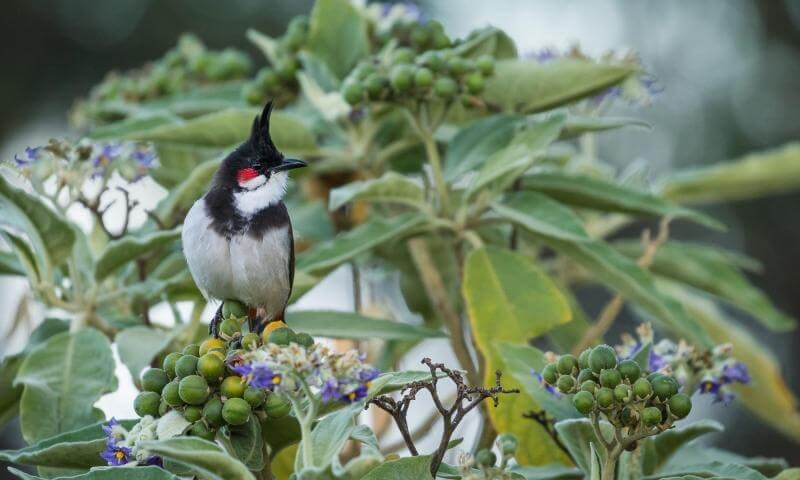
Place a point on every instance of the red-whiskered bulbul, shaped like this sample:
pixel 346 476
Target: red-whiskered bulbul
pixel 238 237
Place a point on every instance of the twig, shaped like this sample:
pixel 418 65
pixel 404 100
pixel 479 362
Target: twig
pixel 614 307
pixel 94 207
pixel 467 398
pixel 548 424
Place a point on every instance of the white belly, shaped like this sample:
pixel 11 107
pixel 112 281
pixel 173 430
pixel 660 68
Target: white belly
pixel 253 271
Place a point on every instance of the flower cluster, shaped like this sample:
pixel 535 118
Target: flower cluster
pixel 707 371
pixel 336 376
pixel 121 444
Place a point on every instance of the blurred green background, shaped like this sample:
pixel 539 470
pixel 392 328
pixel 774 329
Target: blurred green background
pixel 729 75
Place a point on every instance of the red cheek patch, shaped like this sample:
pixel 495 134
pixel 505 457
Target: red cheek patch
pixel 246 174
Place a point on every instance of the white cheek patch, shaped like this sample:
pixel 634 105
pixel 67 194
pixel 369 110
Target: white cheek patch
pixel 253 183
pixel 268 192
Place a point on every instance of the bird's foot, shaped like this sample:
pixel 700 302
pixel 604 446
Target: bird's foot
pixel 213 326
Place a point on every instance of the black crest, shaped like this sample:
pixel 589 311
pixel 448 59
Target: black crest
pixel 260 141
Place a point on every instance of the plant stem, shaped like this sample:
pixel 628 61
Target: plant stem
pixel 432 152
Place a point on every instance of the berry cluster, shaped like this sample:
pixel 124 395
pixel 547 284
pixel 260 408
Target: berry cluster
pixel 202 382
pixel 485 466
pixel 625 394
pixel 279 81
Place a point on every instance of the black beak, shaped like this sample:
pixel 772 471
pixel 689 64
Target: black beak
pixel 288 164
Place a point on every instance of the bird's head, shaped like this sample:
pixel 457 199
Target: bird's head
pixel 257 165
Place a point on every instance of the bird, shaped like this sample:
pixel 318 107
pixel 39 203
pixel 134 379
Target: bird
pixel 237 238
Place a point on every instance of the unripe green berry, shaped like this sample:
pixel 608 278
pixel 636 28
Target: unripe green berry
pixel 233 308
pixel 186 365
pixel 192 349
pixel 146 403
pixel 605 397
pixel 642 388
pixel 353 92
pixel 232 386
pixel 474 83
pixel 584 402
pixel 376 85
pixel 440 40
pixel 589 386
pixel 169 363
pixel 193 390
pixel 170 394
pixel 229 328
pixel 629 370
pixel 211 367
pixel 252 94
pixel 363 71
pixel 251 341
pixel 154 380
pixel 277 406
pixel 610 378
pixel 236 411
pixel 402 77
pixel 199 429
pixel 254 396
pixel 445 88
pixel 192 413
pixel 622 393
pixel 485 458
pixel 420 37
pixel 432 60
pixel 585 374
pixel 423 78
pixel 602 357
pixel 550 373
pixel 163 408
pixel 508 443
pixel 304 339
pixel 566 364
pixel 281 336
pixel 664 387
pixel 485 64
pixel 403 55
pixel 680 405
pixel 565 383
pixel 212 412
pixel 583 358
pixel 267 79
pixel 651 416
pixel 458 66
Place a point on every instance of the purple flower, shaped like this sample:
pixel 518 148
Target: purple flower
pixel 108 429
pixel 548 388
pixel 608 94
pixel 31 155
pixel 735 373
pixel 356 395
pixel 116 455
pixel 108 153
pixel 258 375
pixel 144 157
pixel 714 387
pixel 330 391
pixel 155 461
pixel 656 362
pixel 368 375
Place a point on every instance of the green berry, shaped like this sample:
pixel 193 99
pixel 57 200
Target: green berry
pixel 654 375
pixel 376 85
pixel 154 380
pixel 402 77
pixel 193 390
pixel 458 66
pixel 629 370
pixel 304 339
pixel 508 443
pixel 602 357
pixel 192 349
pixel 192 413
pixel 651 416
pixel 251 341
pixel 199 429
pixel 146 403
pixel 445 88
pixel 363 71
pixel 474 83
pixel 440 40
pixel 423 78
pixel 353 92
pixel 170 394
pixel 565 383
pixel 186 365
pixel 230 327
pixel 642 388
pixel 664 387
pixel 252 94
pixel 163 408
pixel 485 64
pixel 232 308
pixel 277 406
pixel 584 402
pixel 566 364
pixel 605 397
pixel 585 374
pixel 420 36
pixel 610 378
pixel 254 396
pixel 212 412
pixel 211 344
pixel 583 358
pixel 211 367
pixel 589 386
pixel 680 405
pixel 235 411
pixel 432 60
pixel 403 55
pixel 622 393
pixel 281 336
pixel 169 363
pixel 268 80
pixel 550 373
pixel 485 458
pixel 232 386
pixel 288 68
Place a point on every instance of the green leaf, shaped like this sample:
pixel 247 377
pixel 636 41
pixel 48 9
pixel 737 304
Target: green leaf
pixel 202 457
pixel 540 214
pixel 248 444
pixel 595 472
pixel 767 396
pixel 311 221
pixel 521 362
pixel 137 123
pixel 577 435
pixel 231 126
pixel 499 284
pixel 548 472
pixel 390 188
pixel 512 161
pixel 577 125
pixel 79 449
pixel 752 176
pixel 618 272
pixel 329 436
pixel 174 207
pixel 716 470
pixel 330 254
pixel 176 160
pixel 127 249
pixel 470 148
pixel 642 357
pixel 334 324
pixel 488 41
pixel 197 101
pixel 267 45
pixel 658 450
pixel 337 35
pixel 138 346
pixel 402 469
pixel 711 270
pixel 63 378
pixel 10 264
pixel 691 455
pixel 527 86
pixel 49 234
pixel 107 473
pixel 596 194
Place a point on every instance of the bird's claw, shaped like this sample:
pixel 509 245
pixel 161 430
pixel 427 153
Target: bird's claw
pixel 213 326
